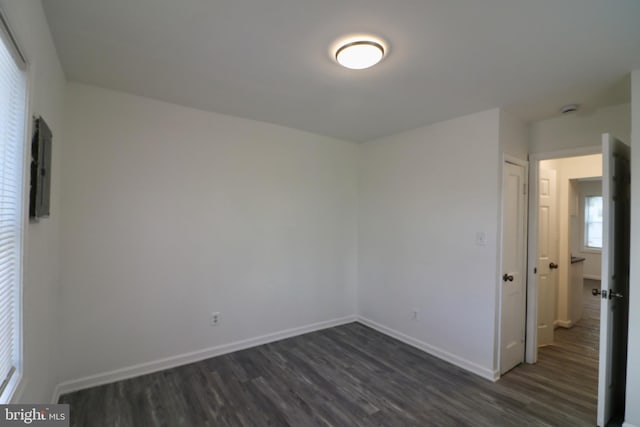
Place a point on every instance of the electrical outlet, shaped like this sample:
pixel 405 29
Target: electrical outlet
pixel 215 318
pixel 415 314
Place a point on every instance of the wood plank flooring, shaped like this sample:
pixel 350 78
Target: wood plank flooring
pixel 352 375
pixel 566 375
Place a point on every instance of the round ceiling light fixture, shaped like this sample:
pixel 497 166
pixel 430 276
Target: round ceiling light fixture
pixel 360 54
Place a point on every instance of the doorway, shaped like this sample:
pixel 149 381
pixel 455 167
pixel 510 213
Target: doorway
pixel 563 254
pixel 610 367
pixel 553 225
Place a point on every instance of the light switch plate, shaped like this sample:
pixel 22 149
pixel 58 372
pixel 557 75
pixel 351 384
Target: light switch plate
pixel 481 238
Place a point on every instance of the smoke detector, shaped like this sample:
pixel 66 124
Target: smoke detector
pixel 569 108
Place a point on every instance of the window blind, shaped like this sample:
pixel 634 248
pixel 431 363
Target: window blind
pixel 593 222
pixel 12 141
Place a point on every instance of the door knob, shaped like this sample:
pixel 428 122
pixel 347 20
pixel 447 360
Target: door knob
pixel 613 294
pixel 603 294
pixel 507 277
pixel 553 266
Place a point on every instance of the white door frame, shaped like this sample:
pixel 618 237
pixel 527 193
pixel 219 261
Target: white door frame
pixel 525 164
pixel 531 340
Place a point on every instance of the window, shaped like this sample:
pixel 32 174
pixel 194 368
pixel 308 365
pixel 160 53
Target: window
pixel 12 141
pixel 593 222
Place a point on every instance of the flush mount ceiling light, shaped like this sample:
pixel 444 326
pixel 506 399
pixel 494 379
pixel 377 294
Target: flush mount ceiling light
pixel 360 54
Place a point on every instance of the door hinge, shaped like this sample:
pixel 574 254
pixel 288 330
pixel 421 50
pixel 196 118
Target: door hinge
pixel 524 189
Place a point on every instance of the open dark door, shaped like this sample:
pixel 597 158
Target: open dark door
pixel 614 308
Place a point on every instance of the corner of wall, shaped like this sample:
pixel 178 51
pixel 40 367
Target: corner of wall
pixel 492 375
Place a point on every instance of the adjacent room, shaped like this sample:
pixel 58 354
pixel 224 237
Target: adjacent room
pixel 246 213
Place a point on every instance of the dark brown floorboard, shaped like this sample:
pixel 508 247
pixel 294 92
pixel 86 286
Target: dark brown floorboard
pixel 352 375
pixel 566 375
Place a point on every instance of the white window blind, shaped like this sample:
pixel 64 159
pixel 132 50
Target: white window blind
pixel 12 141
pixel 593 222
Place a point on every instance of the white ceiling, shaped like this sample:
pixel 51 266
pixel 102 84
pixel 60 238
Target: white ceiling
pixel 270 60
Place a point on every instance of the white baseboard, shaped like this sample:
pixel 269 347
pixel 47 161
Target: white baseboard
pixel 472 367
pixel 563 323
pixel 186 358
pixel 626 424
pixel 591 277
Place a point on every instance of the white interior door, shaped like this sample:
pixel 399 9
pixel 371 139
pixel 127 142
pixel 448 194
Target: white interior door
pixel 513 302
pixel 547 254
pixel 614 308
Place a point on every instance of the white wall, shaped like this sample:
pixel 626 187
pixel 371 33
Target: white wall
pixel 41 251
pixel 593 258
pixel 567 169
pixel 580 130
pixel 514 136
pixel 172 213
pixel 632 415
pixel 424 194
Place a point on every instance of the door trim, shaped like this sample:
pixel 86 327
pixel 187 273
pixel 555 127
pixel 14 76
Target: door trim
pixel 506 158
pixel 531 337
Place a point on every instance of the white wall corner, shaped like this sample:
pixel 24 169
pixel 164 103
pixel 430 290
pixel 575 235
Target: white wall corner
pixel 55 396
pixel 481 371
pixel 191 357
pixel 17 395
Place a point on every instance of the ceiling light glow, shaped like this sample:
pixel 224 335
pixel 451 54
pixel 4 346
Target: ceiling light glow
pixel 360 54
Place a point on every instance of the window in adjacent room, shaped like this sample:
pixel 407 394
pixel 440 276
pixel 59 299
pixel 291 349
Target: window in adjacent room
pixel 13 105
pixel 593 222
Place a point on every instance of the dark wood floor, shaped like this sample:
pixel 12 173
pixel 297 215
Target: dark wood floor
pixel 352 376
pixel 566 375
